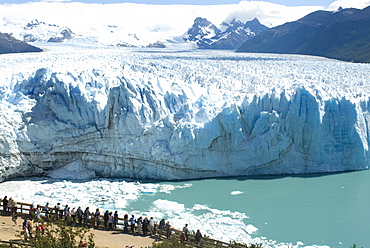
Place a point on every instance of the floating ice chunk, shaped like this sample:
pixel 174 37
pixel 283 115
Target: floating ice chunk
pixel 169 206
pixel 251 229
pixel 74 170
pixel 237 192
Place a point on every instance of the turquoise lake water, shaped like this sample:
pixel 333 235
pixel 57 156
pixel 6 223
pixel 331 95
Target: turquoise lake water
pixel 329 210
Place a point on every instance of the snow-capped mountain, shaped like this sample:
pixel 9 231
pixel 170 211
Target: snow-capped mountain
pixel 37 31
pixel 202 29
pixel 207 36
pixel 113 112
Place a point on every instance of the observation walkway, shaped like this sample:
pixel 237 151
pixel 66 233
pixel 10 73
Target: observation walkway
pixel 23 211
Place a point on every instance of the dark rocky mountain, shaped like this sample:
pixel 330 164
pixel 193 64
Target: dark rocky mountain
pixel 158 44
pixel 344 35
pixel 8 44
pixel 65 34
pixel 207 36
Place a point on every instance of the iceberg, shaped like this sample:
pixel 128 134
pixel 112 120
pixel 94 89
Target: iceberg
pixel 168 115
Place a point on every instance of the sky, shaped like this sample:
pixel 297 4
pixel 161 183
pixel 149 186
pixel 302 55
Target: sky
pixel 193 2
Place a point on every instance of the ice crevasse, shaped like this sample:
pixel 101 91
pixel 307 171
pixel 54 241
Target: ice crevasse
pixel 181 115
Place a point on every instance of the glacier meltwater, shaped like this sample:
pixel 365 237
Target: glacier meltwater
pixel 84 112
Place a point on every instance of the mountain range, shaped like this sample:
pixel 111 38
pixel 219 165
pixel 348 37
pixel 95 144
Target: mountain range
pixel 343 34
pixel 230 35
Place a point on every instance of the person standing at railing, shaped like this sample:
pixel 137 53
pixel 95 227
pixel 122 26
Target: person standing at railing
pixel 68 216
pixel 168 229
pixel 73 215
pixel 145 226
pixel 57 209
pixel 5 205
pixel 115 219
pixel 151 226
pixel 97 217
pixel 139 222
pixel 38 212
pixel 87 215
pixel 132 223
pixel 47 210
pixel 79 215
pixel 185 230
pixel 161 226
pixel 125 223
pixel 110 221
pixel 106 218
pixel 12 207
pixel 198 236
pixel 32 212
pixel 64 213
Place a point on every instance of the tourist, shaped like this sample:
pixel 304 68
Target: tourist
pixel 25 230
pixel 30 227
pixel 145 226
pixel 86 216
pixel 132 223
pixel 125 223
pixel 97 217
pixel 47 210
pixel 110 221
pixel 64 213
pixel 106 218
pixel 32 212
pixel 151 226
pixel 79 215
pixel 12 207
pixel 161 226
pixel 5 205
pixel 168 229
pixel 38 212
pixel 198 237
pixel 73 215
pixel 139 222
pixel 185 230
pixel 11 204
pixel 68 216
pixel 57 210
pixel 115 219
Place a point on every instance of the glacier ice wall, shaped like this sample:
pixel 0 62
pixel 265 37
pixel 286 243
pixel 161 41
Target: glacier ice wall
pixel 180 115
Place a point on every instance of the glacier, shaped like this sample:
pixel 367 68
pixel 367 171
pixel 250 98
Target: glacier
pixel 170 114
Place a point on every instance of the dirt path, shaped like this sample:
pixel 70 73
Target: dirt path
pixel 103 239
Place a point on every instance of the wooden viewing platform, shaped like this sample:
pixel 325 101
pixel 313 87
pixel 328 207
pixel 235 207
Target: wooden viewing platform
pixel 23 210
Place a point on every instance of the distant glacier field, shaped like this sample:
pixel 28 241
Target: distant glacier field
pixel 80 111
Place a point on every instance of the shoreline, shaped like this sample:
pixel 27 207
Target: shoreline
pixel 102 238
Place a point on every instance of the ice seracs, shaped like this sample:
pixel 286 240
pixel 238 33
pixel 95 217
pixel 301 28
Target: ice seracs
pixel 175 115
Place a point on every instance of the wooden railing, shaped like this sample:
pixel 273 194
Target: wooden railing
pixel 23 210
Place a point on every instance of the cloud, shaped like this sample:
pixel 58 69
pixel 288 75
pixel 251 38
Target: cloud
pixel 358 4
pixel 269 14
pixel 56 0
